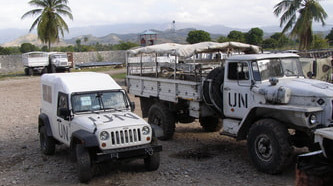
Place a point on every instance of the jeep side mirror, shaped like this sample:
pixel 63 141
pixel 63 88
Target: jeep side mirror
pixel 64 112
pixel 132 105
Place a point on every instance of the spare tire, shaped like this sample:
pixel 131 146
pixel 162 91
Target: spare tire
pixel 212 89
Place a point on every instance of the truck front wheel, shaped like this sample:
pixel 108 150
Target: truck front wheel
pixel 210 123
pixel 269 146
pixel 84 163
pixel 47 143
pixel 161 116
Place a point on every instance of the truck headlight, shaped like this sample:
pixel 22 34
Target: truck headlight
pixel 104 135
pixel 313 119
pixel 145 130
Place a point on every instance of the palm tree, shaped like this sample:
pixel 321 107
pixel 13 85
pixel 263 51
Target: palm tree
pixel 297 16
pixel 49 21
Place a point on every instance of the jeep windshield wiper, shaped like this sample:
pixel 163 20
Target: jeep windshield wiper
pixel 111 109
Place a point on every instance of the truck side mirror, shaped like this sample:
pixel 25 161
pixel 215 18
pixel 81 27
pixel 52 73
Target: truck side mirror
pixel 132 105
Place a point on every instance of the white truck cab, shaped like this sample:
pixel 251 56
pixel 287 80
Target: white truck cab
pixel 91 114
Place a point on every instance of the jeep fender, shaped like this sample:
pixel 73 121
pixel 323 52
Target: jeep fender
pixel 43 120
pixel 86 138
pixel 257 113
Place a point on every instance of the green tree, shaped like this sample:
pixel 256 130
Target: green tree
pixel 254 36
pixel 197 36
pixel 236 36
pixel 124 45
pixel 28 47
pixel 50 24
pixel 269 43
pixel 4 51
pixel 297 16
pixel 319 42
pixel 329 37
pixel 222 39
pixel 282 40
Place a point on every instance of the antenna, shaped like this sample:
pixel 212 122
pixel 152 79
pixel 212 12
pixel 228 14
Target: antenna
pixel 173 26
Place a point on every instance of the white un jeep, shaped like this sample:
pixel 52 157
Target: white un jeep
pixel 91 114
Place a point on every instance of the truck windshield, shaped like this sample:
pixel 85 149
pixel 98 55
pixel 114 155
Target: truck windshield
pixel 264 69
pixel 99 101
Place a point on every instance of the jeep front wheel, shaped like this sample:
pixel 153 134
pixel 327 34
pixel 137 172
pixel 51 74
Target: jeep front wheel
pixel 269 146
pixel 161 116
pixel 47 143
pixel 152 162
pixel 84 163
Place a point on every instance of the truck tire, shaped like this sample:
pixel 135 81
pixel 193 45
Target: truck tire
pixel 47 143
pixel 161 116
pixel 30 72
pixel 210 123
pixel 212 94
pixel 84 163
pixel 44 71
pixel 269 146
pixel 26 71
pixel 53 69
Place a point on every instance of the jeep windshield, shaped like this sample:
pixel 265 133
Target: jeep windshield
pixel 266 68
pixel 99 101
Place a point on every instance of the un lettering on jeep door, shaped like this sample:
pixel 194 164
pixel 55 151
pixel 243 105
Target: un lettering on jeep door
pixel 63 120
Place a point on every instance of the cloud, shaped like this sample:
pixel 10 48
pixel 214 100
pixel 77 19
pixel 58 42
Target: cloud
pixel 235 13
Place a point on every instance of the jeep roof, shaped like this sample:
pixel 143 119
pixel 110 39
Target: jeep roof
pixel 251 57
pixel 80 81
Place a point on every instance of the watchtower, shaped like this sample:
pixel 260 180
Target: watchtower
pixel 148 38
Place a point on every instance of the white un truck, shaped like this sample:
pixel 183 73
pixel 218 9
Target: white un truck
pixel 45 62
pixel 261 98
pixel 91 114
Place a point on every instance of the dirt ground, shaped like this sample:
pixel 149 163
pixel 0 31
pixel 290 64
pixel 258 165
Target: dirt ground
pixel 192 157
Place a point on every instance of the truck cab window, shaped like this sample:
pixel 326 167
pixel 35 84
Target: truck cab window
pixel 238 71
pixel 62 103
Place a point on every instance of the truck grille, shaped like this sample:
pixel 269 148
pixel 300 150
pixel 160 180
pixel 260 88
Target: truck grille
pixel 125 136
pixel 63 63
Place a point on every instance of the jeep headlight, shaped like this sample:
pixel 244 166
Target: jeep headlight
pixel 104 135
pixel 313 119
pixel 145 130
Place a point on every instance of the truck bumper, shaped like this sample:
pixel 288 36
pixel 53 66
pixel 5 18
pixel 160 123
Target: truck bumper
pixel 127 153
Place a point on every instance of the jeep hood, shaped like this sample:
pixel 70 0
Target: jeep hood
pixel 107 120
pixel 307 87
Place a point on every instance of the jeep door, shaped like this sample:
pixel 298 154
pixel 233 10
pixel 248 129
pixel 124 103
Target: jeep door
pixel 62 118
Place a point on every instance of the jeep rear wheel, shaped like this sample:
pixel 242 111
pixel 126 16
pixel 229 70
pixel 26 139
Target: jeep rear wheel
pixel 161 116
pixel 210 124
pixel 84 163
pixel 269 146
pixel 47 143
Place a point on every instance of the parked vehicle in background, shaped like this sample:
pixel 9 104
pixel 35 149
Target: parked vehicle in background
pixel 92 115
pixel 262 98
pixel 58 62
pixel 45 62
pixel 35 62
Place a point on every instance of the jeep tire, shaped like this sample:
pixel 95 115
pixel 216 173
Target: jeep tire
pixel 152 162
pixel 84 163
pixel 210 123
pixel 161 116
pixel 269 146
pixel 47 143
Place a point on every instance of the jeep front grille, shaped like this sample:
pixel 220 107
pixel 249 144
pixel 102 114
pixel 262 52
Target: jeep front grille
pixel 126 136
pixel 63 64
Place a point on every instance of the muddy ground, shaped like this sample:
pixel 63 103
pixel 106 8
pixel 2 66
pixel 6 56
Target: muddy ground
pixel 193 157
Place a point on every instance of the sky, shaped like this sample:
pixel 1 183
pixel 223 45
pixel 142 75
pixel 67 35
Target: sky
pixel 231 13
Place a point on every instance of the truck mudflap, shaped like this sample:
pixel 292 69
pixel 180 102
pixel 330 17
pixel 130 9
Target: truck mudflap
pixel 126 153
